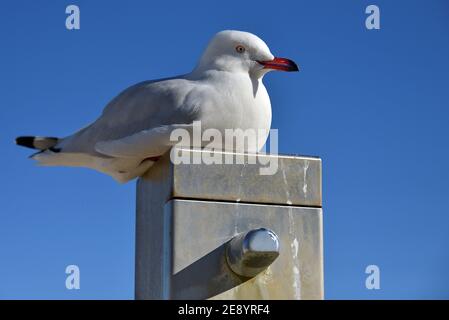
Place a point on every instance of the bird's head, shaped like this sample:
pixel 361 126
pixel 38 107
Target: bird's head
pixel 238 51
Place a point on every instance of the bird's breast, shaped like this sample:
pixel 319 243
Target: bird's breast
pixel 238 103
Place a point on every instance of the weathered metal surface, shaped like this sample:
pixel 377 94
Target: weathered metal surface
pixel 201 230
pixel 181 243
pixel 297 180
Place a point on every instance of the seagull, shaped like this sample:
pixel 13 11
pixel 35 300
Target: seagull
pixel 224 91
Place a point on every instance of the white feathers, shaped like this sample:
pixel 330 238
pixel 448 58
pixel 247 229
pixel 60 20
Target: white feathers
pixel 225 91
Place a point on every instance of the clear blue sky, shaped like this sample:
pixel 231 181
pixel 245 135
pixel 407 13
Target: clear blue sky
pixel 373 104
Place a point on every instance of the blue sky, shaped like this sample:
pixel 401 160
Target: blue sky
pixel 373 104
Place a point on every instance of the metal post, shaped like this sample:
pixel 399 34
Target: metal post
pixel 223 231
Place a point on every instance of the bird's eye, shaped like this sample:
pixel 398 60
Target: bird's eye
pixel 240 49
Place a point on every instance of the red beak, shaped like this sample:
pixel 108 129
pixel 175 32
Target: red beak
pixel 280 64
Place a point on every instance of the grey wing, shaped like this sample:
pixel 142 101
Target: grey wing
pixel 138 121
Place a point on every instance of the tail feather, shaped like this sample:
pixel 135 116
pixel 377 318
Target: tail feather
pixel 39 143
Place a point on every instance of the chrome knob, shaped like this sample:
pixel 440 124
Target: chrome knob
pixel 251 252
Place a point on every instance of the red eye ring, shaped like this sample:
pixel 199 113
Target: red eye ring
pixel 240 49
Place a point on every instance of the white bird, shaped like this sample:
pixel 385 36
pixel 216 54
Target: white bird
pixel 224 91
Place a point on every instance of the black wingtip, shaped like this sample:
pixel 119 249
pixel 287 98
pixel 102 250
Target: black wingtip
pixel 25 141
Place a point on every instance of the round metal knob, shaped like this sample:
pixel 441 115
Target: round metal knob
pixel 251 252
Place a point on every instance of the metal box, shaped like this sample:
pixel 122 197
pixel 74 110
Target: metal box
pixel 187 214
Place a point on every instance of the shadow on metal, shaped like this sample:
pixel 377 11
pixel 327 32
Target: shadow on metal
pixel 206 277
pixel 227 266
